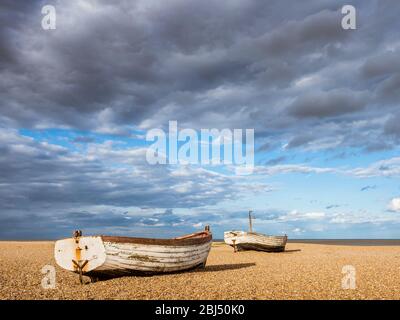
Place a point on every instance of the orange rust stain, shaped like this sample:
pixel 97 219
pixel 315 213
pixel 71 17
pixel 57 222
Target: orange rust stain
pixel 78 256
pixel 77 253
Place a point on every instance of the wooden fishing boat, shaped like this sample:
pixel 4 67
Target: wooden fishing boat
pixel 98 256
pixel 241 240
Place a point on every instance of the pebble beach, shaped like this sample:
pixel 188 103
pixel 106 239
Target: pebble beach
pixel 303 271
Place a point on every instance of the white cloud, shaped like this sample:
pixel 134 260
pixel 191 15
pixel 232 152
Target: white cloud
pixel 395 204
pixel 291 168
pixel 384 168
pixel 298 230
pixel 295 215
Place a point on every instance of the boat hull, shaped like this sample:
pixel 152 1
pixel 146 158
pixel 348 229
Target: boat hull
pixel 115 256
pixel 125 258
pixel 242 241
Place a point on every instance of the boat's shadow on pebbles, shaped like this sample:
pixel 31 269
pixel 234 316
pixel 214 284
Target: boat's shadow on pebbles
pixel 224 267
pixel 291 251
pixel 210 268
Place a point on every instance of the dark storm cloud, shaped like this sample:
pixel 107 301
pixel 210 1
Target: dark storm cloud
pixel 13 16
pixel 166 218
pixel 392 126
pixel 48 190
pixel 300 140
pixel 381 65
pixel 62 224
pixel 90 220
pixel 388 90
pixel 288 70
pixel 39 173
pixel 107 68
pixel 327 104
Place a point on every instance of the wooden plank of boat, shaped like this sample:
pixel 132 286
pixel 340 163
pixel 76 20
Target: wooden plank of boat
pixel 109 255
pixel 242 240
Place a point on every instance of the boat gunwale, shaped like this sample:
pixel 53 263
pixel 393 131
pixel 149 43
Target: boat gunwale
pixel 191 239
pixel 245 233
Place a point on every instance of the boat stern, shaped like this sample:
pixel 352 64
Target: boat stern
pixel 80 254
pixel 231 236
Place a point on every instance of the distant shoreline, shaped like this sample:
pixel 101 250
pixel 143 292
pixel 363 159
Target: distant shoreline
pixel 350 242
pixel 345 242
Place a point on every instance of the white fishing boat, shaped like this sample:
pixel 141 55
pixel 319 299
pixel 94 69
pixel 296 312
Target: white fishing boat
pixel 98 256
pixel 241 240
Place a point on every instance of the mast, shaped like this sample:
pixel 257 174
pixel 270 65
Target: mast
pixel 250 222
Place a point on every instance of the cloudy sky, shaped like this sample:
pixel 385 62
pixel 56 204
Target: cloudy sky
pixel 76 104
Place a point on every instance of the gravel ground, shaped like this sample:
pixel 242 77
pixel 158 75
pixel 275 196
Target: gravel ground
pixel 304 271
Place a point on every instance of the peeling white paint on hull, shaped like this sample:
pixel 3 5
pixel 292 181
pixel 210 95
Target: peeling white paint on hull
pixel 255 241
pixel 123 255
pixel 122 258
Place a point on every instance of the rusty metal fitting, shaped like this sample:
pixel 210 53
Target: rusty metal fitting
pixel 77 233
